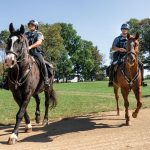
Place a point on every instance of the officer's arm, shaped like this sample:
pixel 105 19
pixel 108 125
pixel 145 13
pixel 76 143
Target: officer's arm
pixel 118 49
pixel 36 44
pixel 115 46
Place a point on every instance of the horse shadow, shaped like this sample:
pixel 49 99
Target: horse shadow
pixel 64 126
pixel 68 125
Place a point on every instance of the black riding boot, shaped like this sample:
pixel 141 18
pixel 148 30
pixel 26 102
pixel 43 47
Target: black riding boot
pixel 110 84
pixel 45 73
pixel 36 53
pixel 142 74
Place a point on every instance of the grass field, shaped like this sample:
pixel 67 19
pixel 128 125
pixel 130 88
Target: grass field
pixel 73 99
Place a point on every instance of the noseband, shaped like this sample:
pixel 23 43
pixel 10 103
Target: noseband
pixel 122 67
pixel 19 57
pixel 19 82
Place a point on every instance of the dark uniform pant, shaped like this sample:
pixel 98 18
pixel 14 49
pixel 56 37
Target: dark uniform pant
pixel 38 54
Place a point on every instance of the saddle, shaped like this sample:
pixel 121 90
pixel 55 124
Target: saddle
pixel 50 68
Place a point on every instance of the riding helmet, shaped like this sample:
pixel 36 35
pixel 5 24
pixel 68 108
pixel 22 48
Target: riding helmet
pixel 125 26
pixel 34 22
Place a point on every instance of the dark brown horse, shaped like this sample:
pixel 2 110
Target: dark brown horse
pixel 128 77
pixel 25 80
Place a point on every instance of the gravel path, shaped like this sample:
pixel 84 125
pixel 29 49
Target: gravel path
pixel 103 131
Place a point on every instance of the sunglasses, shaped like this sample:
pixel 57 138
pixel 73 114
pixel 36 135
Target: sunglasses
pixel 124 29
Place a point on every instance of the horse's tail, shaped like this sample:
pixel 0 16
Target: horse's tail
pixel 53 99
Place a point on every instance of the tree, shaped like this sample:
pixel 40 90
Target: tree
pixel 64 66
pixel 68 52
pixel 97 72
pixel 71 40
pixel 53 42
pixel 73 44
pixel 4 35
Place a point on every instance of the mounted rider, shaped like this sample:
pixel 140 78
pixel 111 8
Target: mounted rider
pixel 35 39
pixel 119 48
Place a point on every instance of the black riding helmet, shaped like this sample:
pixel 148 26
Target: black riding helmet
pixel 34 23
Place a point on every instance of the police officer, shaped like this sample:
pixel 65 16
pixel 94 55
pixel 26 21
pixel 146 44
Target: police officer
pixel 119 46
pixel 35 39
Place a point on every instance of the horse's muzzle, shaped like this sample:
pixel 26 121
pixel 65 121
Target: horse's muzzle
pixel 10 60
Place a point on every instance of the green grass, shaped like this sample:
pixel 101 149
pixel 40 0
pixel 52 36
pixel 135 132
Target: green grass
pixel 73 99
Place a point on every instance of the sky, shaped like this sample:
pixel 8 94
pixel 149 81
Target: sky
pixel 98 21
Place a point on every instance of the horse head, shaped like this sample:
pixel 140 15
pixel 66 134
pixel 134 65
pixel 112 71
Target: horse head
pixel 132 49
pixel 16 46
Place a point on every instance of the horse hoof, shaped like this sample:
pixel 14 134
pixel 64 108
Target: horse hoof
pixel 45 122
pixel 12 139
pixel 28 128
pixel 134 115
pixel 37 119
pixel 128 123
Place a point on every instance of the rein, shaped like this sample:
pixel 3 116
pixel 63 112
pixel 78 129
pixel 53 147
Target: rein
pixel 22 80
pixel 122 68
pixel 130 81
pixel 20 58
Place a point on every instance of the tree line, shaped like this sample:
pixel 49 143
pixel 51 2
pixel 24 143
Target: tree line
pixel 68 52
pixel 72 55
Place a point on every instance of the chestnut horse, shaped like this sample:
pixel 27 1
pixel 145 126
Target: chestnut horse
pixel 128 77
pixel 25 80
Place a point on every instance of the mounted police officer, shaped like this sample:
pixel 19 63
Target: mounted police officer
pixel 119 48
pixel 35 39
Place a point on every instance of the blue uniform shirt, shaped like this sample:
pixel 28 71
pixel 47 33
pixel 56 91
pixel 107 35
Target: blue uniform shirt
pixel 120 42
pixel 34 36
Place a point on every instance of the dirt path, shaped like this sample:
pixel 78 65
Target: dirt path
pixel 103 131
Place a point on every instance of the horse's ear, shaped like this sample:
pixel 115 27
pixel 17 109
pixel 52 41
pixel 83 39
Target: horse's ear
pixel 22 30
pixel 11 28
pixel 128 36
pixel 137 35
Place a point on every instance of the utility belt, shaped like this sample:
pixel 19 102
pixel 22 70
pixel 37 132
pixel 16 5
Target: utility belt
pixel 36 50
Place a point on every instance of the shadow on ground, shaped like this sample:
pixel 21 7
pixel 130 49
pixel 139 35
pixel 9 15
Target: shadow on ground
pixel 66 125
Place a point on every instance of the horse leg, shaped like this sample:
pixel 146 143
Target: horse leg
pixel 28 127
pixel 37 112
pixel 117 98
pixel 14 136
pixel 125 93
pixel 137 93
pixel 47 102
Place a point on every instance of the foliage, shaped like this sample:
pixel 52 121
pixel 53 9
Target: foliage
pixel 69 53
pixel 4 35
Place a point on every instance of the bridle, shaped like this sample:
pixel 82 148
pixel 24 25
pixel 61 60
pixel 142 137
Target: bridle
pixel 19 59
pixel 122 67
